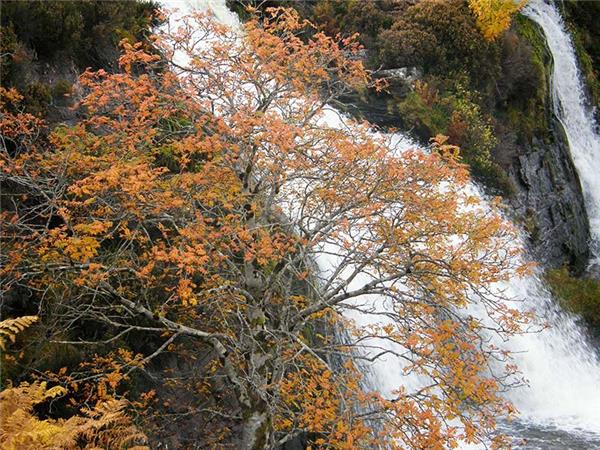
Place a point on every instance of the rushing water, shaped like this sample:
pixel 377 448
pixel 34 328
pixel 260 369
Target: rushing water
pixel 560 407
pixel 571 108
pixel 574 415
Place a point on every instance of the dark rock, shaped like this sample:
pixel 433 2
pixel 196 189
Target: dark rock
pixel 549 202
pixel 379 107
pixel 403 74
pixel 297 443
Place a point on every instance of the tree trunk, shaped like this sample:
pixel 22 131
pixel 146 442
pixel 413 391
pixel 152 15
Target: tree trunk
pixel 256 430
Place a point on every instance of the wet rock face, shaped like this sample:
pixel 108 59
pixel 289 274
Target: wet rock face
pixel 549 202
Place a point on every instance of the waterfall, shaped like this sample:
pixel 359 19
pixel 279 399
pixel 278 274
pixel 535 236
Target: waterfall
pixel 560 407
pixel 571 109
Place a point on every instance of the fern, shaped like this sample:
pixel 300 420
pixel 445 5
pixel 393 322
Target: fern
pixel 20 428
pixel 106 426
pixel 9 328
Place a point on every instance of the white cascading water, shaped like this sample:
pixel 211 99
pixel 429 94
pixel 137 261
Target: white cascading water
pixel 560 408
pixel 571 109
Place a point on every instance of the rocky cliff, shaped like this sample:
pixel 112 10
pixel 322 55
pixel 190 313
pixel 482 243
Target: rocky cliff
pixel 549 202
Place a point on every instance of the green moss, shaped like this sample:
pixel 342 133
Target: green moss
pixel 530 31
pixel 581 18
pixel 578 295
pixel 586 65
pixel 530 118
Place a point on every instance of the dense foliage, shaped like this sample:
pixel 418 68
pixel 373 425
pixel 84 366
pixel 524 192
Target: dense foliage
pixel 181 219
pixel 87 30
pixel 494 16
pixel 456 114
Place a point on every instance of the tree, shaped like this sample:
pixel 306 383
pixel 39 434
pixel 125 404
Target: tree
pixel 191 205
pixel 494 16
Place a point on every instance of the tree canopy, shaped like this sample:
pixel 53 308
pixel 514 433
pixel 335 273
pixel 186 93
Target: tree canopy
pixel 494 16
pixel 185 215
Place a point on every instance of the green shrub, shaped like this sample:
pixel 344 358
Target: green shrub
pixel 442 37
pixel 464 49
pixel 8 47
pixel 478 140
pixel 38 97
pixel 428 119
pixel 455 113
pixel 578 295
pixel 87 30
pixel 346 17
pixel 406 44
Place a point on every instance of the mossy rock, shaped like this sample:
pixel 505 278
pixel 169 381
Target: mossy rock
pixel 581 296
pixel 581 18
pixel 532 118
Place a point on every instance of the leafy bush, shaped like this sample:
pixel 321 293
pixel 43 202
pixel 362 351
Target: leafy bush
pixel 353 16
pixel 494 16
pixel 463 46
pixel 9 45
pixel 427 115
pixel 406 44
pixel 37 98
pixel 440 36
pixel 477 139
pixel 57 35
